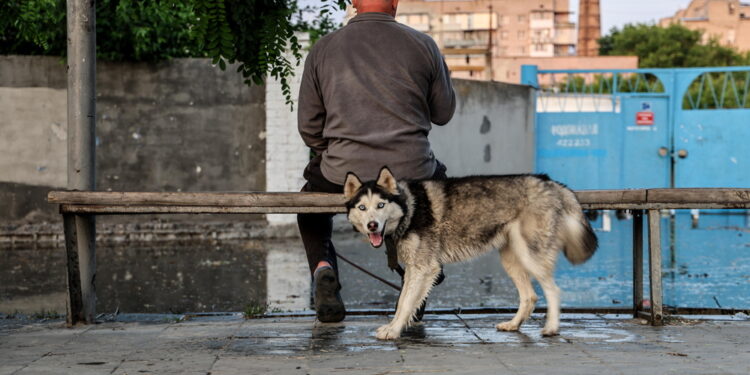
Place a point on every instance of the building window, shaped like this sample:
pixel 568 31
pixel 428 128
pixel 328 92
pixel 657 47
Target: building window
pixel 522 50
pixel 504 20
pixel 521 18
pixel 521 35
pixel 504 35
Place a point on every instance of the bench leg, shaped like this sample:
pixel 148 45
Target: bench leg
pixel 81 261
pixel 654 251
pixel 73 302
pixel 637 262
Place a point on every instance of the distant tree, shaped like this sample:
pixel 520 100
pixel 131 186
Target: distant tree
pixel 316 22
pixel 667 47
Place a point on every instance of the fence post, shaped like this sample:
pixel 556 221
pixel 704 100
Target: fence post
pixel 654 265
pixel 637 262
pixel 529 75
pixel 81 19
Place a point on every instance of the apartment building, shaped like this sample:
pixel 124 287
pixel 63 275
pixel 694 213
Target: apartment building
pixel 474 34
pixel 726 20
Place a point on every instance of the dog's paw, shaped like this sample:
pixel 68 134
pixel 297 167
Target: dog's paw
pixel 507 326
pixel 387 332
pixel 550 331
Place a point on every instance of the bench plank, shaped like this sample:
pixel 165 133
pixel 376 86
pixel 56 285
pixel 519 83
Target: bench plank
pixel 234 199
pixel 108 203
pixel 125 210
pixel 702 195
pixel 273 199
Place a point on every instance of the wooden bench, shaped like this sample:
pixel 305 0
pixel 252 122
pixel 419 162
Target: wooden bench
pixel 81 257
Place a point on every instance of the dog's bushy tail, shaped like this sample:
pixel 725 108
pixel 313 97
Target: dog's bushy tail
pixel 579 239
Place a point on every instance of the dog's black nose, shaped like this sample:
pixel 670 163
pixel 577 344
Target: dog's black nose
pixel 372 226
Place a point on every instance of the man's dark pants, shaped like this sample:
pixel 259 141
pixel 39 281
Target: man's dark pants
pixel 316 229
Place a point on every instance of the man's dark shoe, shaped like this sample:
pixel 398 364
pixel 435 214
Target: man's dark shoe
pixel 329 307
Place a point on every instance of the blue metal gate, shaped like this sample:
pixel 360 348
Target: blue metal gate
pixel 652 128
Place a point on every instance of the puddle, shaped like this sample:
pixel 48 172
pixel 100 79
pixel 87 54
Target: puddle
pixel 229 275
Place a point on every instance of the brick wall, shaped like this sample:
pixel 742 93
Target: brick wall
pixel 286 154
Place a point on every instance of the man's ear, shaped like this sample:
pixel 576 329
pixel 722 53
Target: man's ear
pixel 387 181
pixel 351 185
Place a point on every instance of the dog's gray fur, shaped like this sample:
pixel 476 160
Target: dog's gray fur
pixel 528 217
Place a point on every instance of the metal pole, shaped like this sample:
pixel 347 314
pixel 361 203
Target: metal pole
pixel 654 252
pixel 637 262
pixel 81 17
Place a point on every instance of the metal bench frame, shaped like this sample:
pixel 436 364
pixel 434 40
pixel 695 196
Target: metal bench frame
pixel 79 207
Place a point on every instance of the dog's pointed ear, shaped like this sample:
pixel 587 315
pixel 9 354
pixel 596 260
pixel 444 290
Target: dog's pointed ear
pixel 387 181
pixel 351 185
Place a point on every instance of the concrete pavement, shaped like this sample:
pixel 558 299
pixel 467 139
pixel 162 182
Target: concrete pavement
pixel 452 344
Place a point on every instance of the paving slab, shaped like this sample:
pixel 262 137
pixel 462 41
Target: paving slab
pixel 442 344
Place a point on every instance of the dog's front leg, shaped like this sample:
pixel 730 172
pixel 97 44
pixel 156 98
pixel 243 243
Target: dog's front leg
pixel 418 281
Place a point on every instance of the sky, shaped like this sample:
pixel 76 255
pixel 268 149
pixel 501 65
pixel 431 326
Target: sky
pixel 615 13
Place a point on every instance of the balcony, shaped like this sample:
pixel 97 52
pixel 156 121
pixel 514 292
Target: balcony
pixel 465 43
pixel 541 24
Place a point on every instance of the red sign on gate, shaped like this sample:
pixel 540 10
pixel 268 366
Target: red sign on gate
pixel 644 118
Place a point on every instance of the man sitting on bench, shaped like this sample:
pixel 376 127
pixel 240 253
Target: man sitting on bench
pixel 368 96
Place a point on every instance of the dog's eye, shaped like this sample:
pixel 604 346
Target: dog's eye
pixel 381 205
pixel 362 207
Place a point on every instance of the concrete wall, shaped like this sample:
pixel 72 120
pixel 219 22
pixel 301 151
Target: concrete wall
pixel 492 131
pixel 186 126
pixel 177 125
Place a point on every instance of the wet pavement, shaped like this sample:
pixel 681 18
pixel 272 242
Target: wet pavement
pixel 453 344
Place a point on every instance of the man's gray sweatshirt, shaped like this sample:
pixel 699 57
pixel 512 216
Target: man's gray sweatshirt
pixel 368 95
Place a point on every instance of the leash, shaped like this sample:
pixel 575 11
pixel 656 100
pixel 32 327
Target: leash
pixel 390 252
pixel 376 277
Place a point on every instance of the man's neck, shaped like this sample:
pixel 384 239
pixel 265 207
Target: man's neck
pixel 363 10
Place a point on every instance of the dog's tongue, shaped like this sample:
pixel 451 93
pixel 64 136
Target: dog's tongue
pixel 376 239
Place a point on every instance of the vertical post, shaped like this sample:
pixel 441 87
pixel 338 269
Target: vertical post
pixel 529 75
pixel 654 265
pixel 74 303
pixel 637 262
pixel 81 17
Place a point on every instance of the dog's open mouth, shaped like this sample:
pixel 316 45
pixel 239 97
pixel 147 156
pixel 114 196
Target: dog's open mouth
pixel 376 239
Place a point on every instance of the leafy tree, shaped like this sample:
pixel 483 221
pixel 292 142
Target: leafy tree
pixel 254 34
pixel 667 47
pixel 127 30
pixel 33 27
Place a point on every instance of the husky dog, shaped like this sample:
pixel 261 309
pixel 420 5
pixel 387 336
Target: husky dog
pixel 529 218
